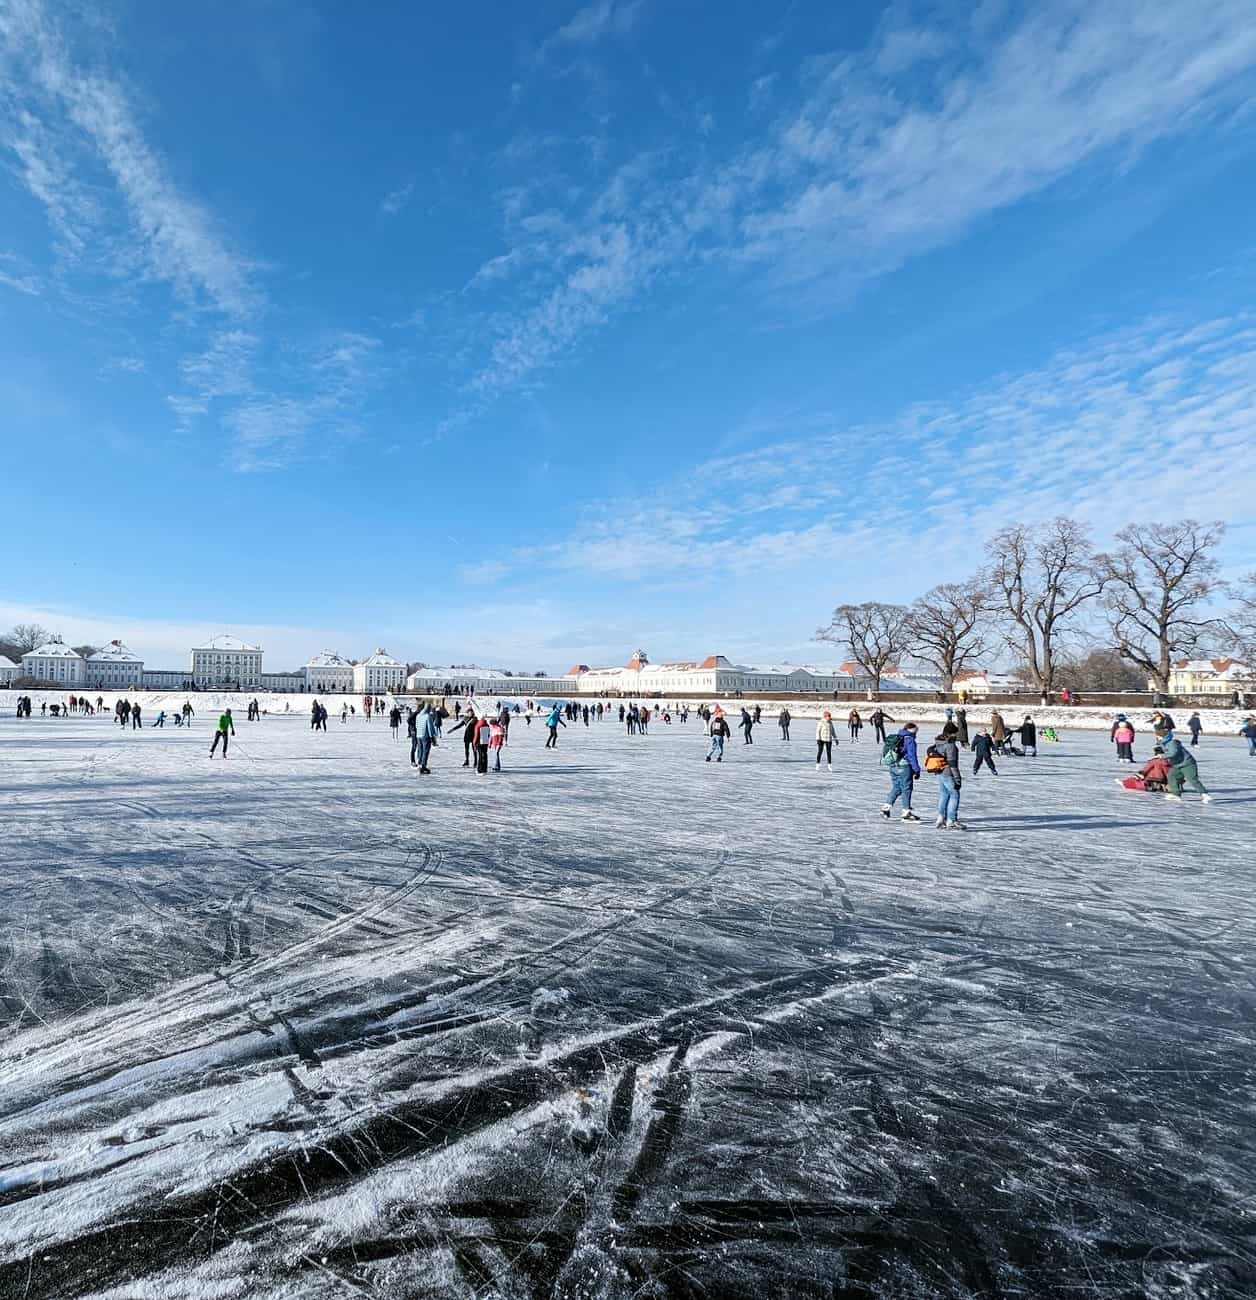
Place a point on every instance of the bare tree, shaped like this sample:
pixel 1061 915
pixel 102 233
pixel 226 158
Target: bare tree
pixel 1101 669
pixel 1155 583
pixel 26 637
pixel 1241 620
pixel 85 650
pixel 948 627
pixel 1042 577
pixel 876 634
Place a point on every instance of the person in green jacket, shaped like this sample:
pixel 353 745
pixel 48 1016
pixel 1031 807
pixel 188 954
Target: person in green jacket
pixel 225 725
pixel 1182 768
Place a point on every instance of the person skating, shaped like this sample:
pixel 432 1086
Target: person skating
pixel 496 739
pixel 950 781
pixel 898 756
pixel 1122 736
pixel 1029 737
pixel 394 722
pixel 961 723
pixel 160 719
pixel 879 718
pixel 136 713
pixel 412 734
pixel 188 711
pixel 854 724
pixel 758 714
pixel 983 752
pixel 1153 776
pixel 553 722
pixel 1182 769
pixel 1195 725
pixel 428 727
pixel 747 726
pixel 784 721
pixel 481 731
pixel 825 739
pixel 719 731
pixel 1247 731
pixel 225 725
pixel 1161 723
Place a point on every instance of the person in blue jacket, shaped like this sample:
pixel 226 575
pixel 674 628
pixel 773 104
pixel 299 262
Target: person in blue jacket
pixel 553 722
pixel 904 767
pixel 1248 732
pixel 427 728
pixel 1182 768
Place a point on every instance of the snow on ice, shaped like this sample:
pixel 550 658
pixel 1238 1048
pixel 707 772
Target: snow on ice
pixel 616 1022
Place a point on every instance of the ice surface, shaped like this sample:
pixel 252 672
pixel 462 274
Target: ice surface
pixel 616 1022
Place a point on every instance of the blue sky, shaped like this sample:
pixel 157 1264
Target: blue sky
pixel 533 333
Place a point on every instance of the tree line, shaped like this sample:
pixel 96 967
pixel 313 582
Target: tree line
pixel 1066 613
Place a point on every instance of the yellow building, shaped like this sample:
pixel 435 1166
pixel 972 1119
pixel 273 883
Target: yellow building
pixel 1210 677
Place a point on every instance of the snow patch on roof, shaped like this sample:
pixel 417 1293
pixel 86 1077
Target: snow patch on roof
pixel 227 643
pixel 54 649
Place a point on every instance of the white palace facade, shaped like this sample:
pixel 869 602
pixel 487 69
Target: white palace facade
pixel 714 675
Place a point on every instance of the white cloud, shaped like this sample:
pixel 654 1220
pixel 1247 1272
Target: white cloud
pixel 1114 430
pixel 595 22
pixel 54 111
pixel 18 275
pixel 876 158
pixel 396 200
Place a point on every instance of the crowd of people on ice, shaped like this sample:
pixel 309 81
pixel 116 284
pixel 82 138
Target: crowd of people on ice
pixel 485 728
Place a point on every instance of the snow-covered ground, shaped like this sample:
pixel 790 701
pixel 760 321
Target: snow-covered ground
pixel 616 1022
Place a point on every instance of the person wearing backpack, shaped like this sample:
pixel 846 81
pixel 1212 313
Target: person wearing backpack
pixel 898 754
pixel 942 758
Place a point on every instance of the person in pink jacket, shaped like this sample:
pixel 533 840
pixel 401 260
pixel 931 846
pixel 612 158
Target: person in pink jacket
pixel 496 739
pixel 1123 738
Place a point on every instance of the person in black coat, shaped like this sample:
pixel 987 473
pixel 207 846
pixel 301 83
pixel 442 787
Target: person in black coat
pixel 1029 737
pixel 961 725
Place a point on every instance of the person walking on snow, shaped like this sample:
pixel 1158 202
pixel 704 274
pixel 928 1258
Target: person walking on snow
pixel 784 720
pixel 225 725
pixel 553 722
pixel 898 756
pixel 825 739
pixel 1195 725
pixel 719 732
pixel 1182 769
pixel 950 782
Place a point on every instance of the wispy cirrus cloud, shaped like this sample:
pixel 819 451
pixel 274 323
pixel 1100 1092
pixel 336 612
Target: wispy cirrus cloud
pixel 60 119
pixel 17 274
pixel 872 158
pixel 397 200
pixel 1107 431
pixel 593 23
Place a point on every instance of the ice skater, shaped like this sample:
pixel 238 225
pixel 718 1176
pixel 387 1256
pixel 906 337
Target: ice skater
pixel 718 730
pixel 784 720
pixel 825 740
pixel 747 727
pixel 1029 737
pixel 854 724
pixel 225 725
pixel 497 738
pixel 1195 726
pixel 879 718
pixel 950 781
pixel 983 752
pixel 1182 769
pixel 1247 731
pixel 1122 736
pixel 898 757
pixel 553 722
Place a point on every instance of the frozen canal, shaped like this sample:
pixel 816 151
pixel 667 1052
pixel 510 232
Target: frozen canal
pixel 616 1022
